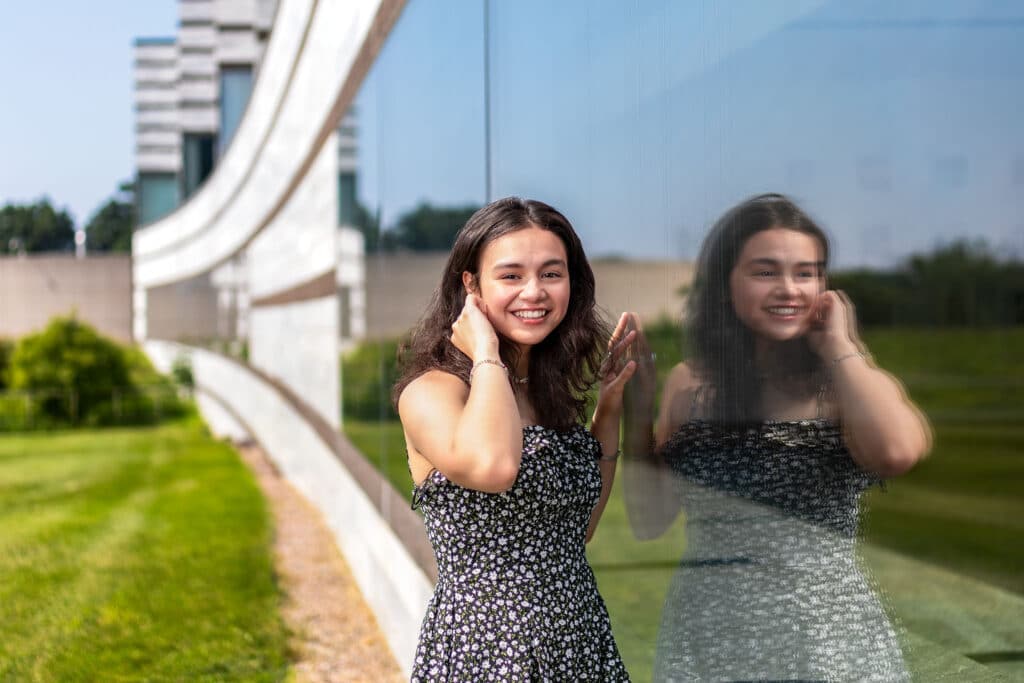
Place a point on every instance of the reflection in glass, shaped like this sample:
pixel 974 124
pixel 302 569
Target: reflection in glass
pixel 897 122
pixel 767 436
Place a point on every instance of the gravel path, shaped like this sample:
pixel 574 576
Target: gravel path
pixel 335 635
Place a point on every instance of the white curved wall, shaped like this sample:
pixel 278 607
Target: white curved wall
pixel 390 580
pixel 273 201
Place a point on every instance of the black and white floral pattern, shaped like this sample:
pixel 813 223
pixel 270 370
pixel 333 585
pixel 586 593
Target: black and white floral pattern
pixel 516 599
pixel 770 587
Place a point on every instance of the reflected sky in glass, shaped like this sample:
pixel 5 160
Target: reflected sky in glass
pixel 896 124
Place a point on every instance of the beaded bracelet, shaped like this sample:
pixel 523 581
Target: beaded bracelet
pixel 610 458
pixel 484 362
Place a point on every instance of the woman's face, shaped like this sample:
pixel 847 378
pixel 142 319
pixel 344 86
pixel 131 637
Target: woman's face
pixel 523 283
pixel 776 282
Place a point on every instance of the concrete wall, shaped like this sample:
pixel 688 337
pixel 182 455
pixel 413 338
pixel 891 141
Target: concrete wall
pixel 399 286
pixel 185 310
pixel 35 288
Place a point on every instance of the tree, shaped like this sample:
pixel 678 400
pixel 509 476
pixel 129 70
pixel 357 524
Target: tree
pixel 428 228
pixel 110 227
pixel 963 283
pixel 34 228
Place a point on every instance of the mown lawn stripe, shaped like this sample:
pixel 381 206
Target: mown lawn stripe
pixel 158 568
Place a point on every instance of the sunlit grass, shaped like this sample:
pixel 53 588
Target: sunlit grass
pixel 134 554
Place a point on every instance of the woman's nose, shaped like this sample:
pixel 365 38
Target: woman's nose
pixel 787 286
pixel 533 289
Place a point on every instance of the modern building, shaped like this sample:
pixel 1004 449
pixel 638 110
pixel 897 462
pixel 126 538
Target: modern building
pixel 190 94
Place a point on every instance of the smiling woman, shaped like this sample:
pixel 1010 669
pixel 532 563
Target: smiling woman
pixel 523 288
pixel 767 437
pixel 510 483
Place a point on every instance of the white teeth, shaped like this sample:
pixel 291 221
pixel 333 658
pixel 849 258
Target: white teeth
pixel 782 310
pixel 531 315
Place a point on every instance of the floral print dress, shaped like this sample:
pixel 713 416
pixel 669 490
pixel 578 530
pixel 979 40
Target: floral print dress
pixel 770 586
pixel 515 598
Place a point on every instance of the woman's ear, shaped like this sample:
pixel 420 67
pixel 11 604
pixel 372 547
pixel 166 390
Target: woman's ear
pixel 469 282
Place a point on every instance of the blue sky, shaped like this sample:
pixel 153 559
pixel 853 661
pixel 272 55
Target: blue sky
pixel 896 124
pixel 66 121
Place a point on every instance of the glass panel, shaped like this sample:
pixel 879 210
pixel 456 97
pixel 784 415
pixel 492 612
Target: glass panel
pixel 197 160
pixel 414 141
pixel 893 127
pixel 235 88
pixel 157 196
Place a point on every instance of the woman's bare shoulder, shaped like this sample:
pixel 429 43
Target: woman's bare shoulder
pixel 677 400
pixel 683 377
pixel 434 389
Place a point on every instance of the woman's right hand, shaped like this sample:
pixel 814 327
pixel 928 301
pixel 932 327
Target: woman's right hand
pixel 472 332
pixel 640 391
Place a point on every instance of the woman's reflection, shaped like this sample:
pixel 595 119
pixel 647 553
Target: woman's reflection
pixel 771 430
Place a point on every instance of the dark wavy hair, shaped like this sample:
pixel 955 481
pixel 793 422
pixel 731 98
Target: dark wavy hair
pixel 564 365
pixel 721 347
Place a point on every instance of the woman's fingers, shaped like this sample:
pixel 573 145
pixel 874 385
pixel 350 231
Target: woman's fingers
pixel 472 326
pixel 619 330
pixel 851 316
pixel 614 383
pixel 615 351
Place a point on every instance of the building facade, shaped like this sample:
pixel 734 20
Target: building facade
pixel 190 94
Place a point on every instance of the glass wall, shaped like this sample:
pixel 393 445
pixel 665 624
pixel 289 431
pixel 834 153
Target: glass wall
pixel 895 127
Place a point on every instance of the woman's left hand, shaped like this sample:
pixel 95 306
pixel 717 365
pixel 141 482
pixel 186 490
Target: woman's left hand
pixel 833 330
pixel 614 371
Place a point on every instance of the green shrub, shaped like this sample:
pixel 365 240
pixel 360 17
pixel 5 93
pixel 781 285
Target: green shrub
pixel 181 371
pixel 367 375
pixel 69 369
pixel 69 375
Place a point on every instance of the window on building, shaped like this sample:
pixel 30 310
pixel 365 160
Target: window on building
pixel 347 198
pixel 197 160
pixel 156 195
pixel 235 87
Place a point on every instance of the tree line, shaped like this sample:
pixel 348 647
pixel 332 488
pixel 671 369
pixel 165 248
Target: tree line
pixel 40 226
pixel 962 284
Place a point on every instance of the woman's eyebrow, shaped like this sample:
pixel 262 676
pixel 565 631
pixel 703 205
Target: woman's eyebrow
pixel 765 261
pixel 511 265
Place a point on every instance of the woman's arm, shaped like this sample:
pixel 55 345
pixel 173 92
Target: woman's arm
pixel 473 435
pixel 651 501
pixel 885 432
pixel 614 375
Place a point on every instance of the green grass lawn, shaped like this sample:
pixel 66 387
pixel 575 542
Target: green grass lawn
pixel 135 554
pixel 945 542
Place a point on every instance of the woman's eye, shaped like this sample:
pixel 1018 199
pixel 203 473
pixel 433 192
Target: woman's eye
pixel 552 274
pixel 509 276
pixel 764 273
